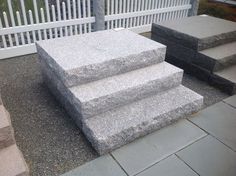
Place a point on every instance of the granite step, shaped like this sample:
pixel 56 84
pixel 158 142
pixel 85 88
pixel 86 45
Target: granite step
pixel 120 126
pixel 85 58
pixel 217 58
pixel 100 96
pixel 197 32
pixel 12 162
pixel 226 79
pixel 6 131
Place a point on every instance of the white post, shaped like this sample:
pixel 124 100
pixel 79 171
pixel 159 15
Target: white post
pixel 99 12
pixel 193 11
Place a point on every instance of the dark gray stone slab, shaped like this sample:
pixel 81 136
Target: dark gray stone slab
pixel 143 153
pixel 209 157
pixel 227 77
pixel 108 130
pixel 198 32
pixel 85 58
pixel 171 166
pixel 231 101
pixel 221 57
pixel 219 120
pixel 102 166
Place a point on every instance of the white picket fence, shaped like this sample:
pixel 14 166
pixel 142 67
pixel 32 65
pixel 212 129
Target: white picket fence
pixel 19 30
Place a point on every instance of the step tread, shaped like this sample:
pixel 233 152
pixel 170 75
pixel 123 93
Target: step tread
pixel 100 96
pixel 201 26
pixel 115 127
pixel 107 86
pixel 12 162
pixel 228 74
pixel 221 52
pixel 90 57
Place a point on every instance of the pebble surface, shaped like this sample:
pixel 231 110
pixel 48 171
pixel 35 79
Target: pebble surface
pixel 49 140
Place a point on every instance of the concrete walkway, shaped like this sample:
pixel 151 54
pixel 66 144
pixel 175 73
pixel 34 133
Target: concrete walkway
pixel 204 144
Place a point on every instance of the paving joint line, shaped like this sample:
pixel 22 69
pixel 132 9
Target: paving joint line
pixel 229 104
pixel 186 164
pixel 170 155
pixel 118 164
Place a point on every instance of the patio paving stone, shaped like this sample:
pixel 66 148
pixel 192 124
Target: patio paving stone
pixel 231 101
pixel 102 166
pixel 220 121
pixel 209 157
pixel 170 166
pixel 147 151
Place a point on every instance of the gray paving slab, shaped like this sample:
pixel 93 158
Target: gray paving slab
pixel 85 58
pixel 171 166
pixel 220 121
pixel 231 101
pixel 146 151
pixel 102 166
pixel 209 157
pixel 114 128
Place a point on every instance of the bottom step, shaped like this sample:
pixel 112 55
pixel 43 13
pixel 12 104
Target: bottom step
pixel 12 162
pixel 226 79
pixel 120 126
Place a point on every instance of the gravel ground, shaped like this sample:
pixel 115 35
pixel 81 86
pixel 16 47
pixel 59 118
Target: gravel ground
pixel 48 138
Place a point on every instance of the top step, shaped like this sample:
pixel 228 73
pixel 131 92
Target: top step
pixel 198 32
pixel 90 57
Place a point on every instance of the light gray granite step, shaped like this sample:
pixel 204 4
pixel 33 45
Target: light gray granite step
pixel 90 57
pixel 102 95
pixel 197 32
pixel 120 126
pixel 6 131
pixel 12 162
pixel 217 58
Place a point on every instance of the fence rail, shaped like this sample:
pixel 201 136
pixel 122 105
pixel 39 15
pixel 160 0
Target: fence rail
pixel 20 29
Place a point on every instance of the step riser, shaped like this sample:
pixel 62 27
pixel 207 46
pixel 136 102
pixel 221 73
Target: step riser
pixel 121 98
pixel 214 65
pixel 103 104
pixel 191 42
pixel 114 142
pixel 89 73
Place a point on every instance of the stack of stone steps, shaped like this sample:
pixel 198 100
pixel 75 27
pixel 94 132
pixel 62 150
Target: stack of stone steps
pixel 202 45
pixel 12 162
pixel 115 85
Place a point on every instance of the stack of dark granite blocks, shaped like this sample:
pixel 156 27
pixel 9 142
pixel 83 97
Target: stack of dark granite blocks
pixel 204 46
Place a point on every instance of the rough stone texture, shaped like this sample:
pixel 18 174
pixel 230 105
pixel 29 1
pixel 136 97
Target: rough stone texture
pixel 198 32
pixel 107 131
pixel 174 49
pixel 103 95
pixel 6 130
pixel 12 162
pixel 219 57
pixel 227 78
pixel 107 78
pixel 90 57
